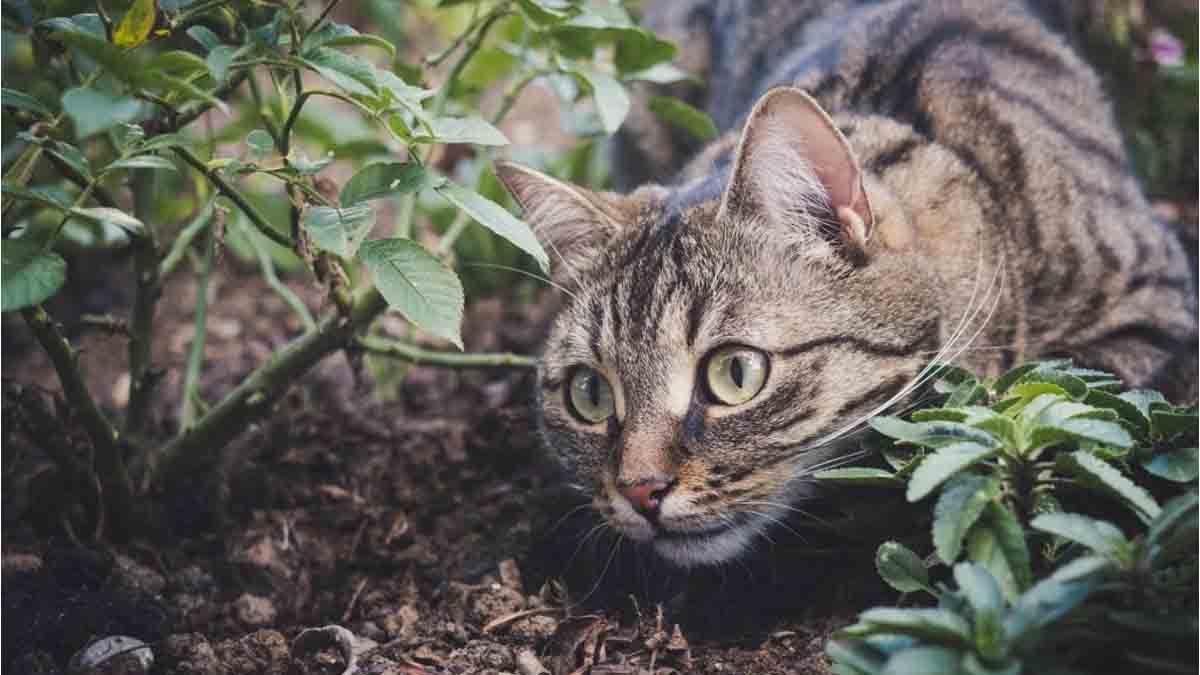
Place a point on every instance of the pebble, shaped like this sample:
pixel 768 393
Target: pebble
pixel 254 610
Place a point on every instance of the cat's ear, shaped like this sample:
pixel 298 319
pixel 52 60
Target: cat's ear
pixel 790 155
pixel 571 223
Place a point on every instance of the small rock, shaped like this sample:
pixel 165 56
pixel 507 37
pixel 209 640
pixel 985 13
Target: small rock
pixel 402 622
pixel 138 576
pixel 254 610
pixel 510 575
pixel 21 562
pixel 494 602
pixel 263 652
pixel 483 654
pixel 534 628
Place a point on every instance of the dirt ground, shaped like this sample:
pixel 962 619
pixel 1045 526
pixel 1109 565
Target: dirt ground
pixel 429 528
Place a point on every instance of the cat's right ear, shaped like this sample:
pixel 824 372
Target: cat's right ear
pixel 571 223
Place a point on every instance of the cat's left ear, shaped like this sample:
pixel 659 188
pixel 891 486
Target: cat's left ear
pixel 790 153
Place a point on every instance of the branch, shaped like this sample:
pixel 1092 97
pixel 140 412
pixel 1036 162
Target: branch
pixel 147 290
pixel 109 463
pixel 235 196
pixel 188 234
pixel 425 357
pixel 268 269
pixel 253 398
pixel 195 359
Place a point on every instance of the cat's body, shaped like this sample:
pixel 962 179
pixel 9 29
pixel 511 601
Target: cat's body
pixel 960 191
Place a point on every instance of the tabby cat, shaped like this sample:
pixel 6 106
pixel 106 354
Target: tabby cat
pixel 916 180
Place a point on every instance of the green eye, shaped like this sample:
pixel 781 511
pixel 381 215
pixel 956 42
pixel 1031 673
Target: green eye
pixel 736 374
pixel 589 396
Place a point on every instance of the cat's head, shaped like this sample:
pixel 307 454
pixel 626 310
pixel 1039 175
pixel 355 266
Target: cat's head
pixel 717 335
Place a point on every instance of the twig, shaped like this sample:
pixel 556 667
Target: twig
pixel 268 269
pixel 517 616
pixel 511 96
pixel 195 359
pixel 98 192
pixel 110 465
pixel 235 196
pixel 358 589
pixel 107 323
pixel 321 18
pixel 186 236
pixel 147 290
pixel 425 357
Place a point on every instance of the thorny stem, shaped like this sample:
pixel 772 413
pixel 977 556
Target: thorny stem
pixel 195 359
pixel 425 357
pixel 109 464
pixel 235 196
pixel 147 290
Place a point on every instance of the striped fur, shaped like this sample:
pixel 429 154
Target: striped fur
pixel 1005 217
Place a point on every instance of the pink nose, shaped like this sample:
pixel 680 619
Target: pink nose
pixel 646 495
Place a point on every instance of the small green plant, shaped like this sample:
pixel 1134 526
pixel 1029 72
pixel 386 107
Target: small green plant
pixel 193 103
pixel 1059 557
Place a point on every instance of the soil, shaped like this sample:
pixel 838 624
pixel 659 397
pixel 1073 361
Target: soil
pixel 425 533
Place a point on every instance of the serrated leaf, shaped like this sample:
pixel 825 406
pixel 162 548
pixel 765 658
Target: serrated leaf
pixel 998 543
pixel 1124 408
pixel 219 60
pixel 339 231
pixel 204 36
pixel 417 285
pixel 637 50
pixel 679 114
pixel 1142 399
pixel 1180 466
pixel 473 130
pixel 958 508
pixel 901 568
pixel 142 162
pixel 612 102
pixel 937 625
pixel 943 464
pixel 1075 387
pixel 136 25
pixel 93 111
pixel 385 178
pixel 856 475
pixel 29 274
pixel 340 35
pixel 1167 424
pixel 1081 567
pixel 347 72
pixel 939 415
pixel 1011 377
pixel 1098 535
pixel 1047 602
pixel 1099 474
pixel 979 586
pixel 1179 509
pixel 931 434
pixel 493 216
pixel 19 100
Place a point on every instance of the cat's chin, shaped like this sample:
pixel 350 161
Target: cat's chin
pixel 703 549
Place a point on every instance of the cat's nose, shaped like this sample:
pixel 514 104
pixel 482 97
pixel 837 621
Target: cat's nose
pixel 646 495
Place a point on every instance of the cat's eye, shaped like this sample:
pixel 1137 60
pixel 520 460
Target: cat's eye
pixel 735 375
pixel 589 396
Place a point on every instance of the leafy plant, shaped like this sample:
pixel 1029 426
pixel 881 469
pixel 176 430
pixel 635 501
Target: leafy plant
pixel 116 100
pixel 1060 557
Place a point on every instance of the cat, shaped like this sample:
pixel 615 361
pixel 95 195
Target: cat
pixel 916 180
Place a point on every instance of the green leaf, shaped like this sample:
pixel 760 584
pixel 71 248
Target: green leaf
pixel 385 178
pixel 1142 399
pixel 142 162
pixel 204 36
pixel 639 49
pixel 12 98
pixel 1011 377
pixel 78 34
pixel 339 231
pixel 136 25
pixel 349 73
pixel 1098 535
pixel 1098 474
pixel 1180 466
pixel 979 586
pixel 938 625
pixel 1173 512
pixel 113 217
pixel 260 142
pixel 1044 604
pixel 164 141
pixel 678 113
pixel 612 102
pixel 474 130
pixel 924 660
pixel 944 463
pixel 1082 567
pixel 219 60
pixel 340 35
pixel 1167 424
pixel 931 434
pixel 998 543
pixel 493 216
pixel 1124 408
pixel 661 73
pixel 1074 386
pixel 901 568
pixel 302 165
pixel 416 284
pixel 93 111
pixel 858 475
pixel 853 658
pixel 958 508
pixel 30 274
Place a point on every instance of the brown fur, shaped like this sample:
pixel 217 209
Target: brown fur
pixel 997 222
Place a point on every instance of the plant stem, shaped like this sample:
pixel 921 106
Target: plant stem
pixel 511 96
pixel 235 196
pixel 268 269
pixel 426 357
pixel 321 18
pixel 188 234
pixel 443 93
pixel 202 443
pixel 147 290
pixel 195 359
pixel 109 464
pixel 192 114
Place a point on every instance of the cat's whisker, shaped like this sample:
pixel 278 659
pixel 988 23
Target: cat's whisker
pixel 527 273
pixel 596 531
pixel 603 572
pixel 787 507
pixel 564 517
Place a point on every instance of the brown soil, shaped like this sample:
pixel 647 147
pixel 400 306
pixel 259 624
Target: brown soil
pixel 430 527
